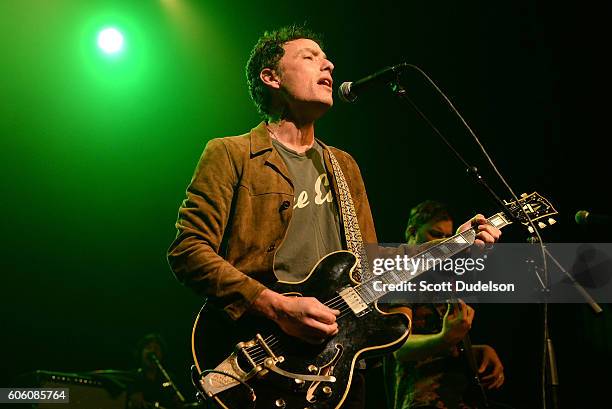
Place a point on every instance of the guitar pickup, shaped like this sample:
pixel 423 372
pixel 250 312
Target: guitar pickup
pixel 354 301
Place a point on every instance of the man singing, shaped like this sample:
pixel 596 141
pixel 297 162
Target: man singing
pixel 264 205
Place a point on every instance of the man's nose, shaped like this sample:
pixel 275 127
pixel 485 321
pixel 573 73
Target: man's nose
pixel 328 65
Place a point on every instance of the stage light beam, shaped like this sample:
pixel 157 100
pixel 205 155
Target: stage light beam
pixel 110 40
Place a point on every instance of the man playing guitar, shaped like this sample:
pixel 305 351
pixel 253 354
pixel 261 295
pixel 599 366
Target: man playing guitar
pixel 264 206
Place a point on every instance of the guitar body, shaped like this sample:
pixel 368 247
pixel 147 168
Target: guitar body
pixel 374 333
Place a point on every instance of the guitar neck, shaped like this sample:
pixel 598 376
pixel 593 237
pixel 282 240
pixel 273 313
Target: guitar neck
pixel 427 259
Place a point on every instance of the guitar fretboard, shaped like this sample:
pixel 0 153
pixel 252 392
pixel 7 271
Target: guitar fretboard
pixel 428 259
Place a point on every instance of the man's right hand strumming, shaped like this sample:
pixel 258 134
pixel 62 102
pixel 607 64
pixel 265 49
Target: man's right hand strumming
pixel 305 318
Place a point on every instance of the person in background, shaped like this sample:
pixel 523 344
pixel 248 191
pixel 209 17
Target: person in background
pixel 150 388
pixel 428 370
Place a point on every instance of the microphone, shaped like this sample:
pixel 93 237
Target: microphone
pixel 349 91
pixel 584 217
pixel 153 357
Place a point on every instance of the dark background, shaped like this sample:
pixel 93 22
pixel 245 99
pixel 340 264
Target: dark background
pixel 96 156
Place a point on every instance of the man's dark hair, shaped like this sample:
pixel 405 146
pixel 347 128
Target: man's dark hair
pixel 266 54
pixel 428 211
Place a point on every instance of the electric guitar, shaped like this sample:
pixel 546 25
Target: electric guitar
pixel 251 363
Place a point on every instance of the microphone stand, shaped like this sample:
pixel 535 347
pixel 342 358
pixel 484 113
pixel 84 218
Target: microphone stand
pixel 166 376
pixel 549 363
pixel 399 90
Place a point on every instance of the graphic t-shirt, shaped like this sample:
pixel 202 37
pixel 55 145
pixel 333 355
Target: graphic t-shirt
pixel 314 230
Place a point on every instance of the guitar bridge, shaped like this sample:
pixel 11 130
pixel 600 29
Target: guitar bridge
pixel 241 365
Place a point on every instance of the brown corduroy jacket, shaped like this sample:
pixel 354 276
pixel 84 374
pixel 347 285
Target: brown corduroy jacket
pixel 238 207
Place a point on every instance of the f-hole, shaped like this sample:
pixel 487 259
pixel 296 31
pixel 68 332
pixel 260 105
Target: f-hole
pixel 326 369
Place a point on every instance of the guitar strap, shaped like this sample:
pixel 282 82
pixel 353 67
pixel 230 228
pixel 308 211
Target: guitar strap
pixel 354 241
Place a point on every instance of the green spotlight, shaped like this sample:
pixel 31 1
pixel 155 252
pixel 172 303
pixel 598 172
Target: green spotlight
pixel 110 40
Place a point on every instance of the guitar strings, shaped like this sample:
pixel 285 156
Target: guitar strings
pixel 258 349
pixel 258 354
pixel 261 354
pixel 269 340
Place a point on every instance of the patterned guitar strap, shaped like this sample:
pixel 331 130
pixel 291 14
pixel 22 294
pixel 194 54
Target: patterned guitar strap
pixel 354 241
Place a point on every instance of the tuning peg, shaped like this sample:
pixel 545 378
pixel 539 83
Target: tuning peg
pixel 541 225
pixel 551 221
pixel 523 194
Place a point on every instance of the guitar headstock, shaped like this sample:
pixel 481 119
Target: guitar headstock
pixel 540 210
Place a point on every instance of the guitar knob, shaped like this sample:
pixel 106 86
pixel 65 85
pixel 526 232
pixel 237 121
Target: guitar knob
pixel 299 383
pixel 280 403
pixel 327 391
pixel 312 368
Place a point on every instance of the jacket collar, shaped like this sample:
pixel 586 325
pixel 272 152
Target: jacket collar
pixel 261 141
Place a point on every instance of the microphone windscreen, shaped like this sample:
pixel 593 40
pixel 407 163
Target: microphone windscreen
pixel 581 216
pixel 344 92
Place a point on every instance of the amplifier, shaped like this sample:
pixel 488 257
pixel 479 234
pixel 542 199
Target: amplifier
pixel 86 392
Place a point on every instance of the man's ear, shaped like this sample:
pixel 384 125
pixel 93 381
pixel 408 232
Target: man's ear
pixel 270 78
